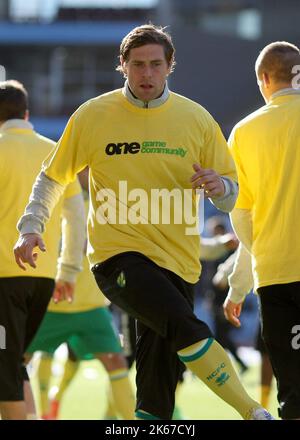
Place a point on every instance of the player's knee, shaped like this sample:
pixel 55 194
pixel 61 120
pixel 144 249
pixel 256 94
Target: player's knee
pixel 113 361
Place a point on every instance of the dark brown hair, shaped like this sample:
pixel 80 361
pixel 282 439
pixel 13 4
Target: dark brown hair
pixel 13 100
pixel 148 34
pixel 277 60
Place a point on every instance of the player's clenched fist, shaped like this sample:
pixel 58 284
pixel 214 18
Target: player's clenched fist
pixel 207 179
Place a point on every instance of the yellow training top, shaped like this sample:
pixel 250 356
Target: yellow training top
pixel 266 148
pixel 133 153
pixel 22 152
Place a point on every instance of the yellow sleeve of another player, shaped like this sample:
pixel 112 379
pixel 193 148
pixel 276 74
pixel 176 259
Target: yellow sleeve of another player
pixel 245 199
pixel 71 153
pixel 216 154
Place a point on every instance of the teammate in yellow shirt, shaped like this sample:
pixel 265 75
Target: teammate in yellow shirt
pixel 148 149
pixel 24 296
pixel 86 325
pixel 266 148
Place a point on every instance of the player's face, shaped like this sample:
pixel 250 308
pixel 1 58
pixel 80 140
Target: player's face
pixel 146 70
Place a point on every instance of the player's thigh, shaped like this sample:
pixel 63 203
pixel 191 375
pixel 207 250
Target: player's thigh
pixel 94 332
pixel 278 316
pixel 143 290
pixel 37 306
pixel 54 330
pixel 13 320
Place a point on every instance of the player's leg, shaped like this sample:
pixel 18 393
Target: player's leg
pixel 17 304
pixel 28 397
pixel 127 328
pixel 157 298
pixel 13 319
pixel 122 393
pixel 280 311
pixel 223 329
pixel 99 337
pixel 43 372
pixel 210 362
pixel 111 412
pixel 70 369
pixel 178 414
pixel 207 359
pixel 37 310
pixel 54 330
pixel 266 371
pixel 158 371
pixel 128 331
pixel 266 380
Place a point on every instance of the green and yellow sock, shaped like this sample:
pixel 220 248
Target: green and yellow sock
pixel 210 362
pixel 143 415
pixel 124 399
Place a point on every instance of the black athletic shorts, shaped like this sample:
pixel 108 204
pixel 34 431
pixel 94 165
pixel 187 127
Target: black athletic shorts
pixel 259 342
pixel 23 303
pixel 162 303
pixel 280 316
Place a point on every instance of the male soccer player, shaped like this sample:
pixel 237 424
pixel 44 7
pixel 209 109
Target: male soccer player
pixel 24 296
pixel 266 148
pixel 142 143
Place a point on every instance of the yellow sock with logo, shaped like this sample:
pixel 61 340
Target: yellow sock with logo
pixel 210 362
pixel 70 370
pixel 122 392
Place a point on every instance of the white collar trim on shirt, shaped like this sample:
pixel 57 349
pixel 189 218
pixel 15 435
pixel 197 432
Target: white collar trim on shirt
pixel 286 91
pixel 151 104
pixel 16 123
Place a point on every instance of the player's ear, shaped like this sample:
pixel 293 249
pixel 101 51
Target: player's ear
pixel 266 79
pixel 123 65
pixel 170 66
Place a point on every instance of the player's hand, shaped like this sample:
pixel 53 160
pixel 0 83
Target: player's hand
pixel 232 312
pixel 23 249
pixel 208 180
pixel 64 290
